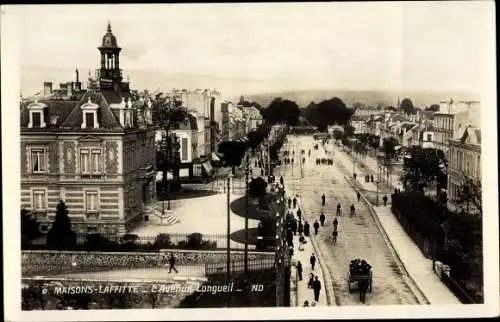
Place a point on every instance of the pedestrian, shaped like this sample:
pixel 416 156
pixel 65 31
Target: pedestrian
pixel 303 160
pixel 289 202
pixel 306 229
pixel 354 175
pixel 322 219
pixel 294 226
pixel 294 202
pixel 335 223
pixel 316 288
pixel 261 172
pixel 299 270
pixel 316 227
pixel 323 200
pixel 385 200
pixel 363 288
pixel 367 178
pixel 299 214
pixel 353 210
pixel 301 228
pixel 358 195
pixel 292 161
pixel 171 262
pixel 313 261
pixel 289 237
pixel 339 210
pixel 282 182
pixel 306 304
pixel 371 177
pixel 311 281
pixel 290 251
pixel 335 234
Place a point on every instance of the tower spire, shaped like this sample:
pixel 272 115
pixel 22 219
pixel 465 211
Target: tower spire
pixel 109 26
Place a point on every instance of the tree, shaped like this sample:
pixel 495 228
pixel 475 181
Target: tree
pixel 255 138
pixel 423 168
pixel 388 146
pixel 328 112
pixel 337 134
pixel 232 153
pixel 374 141
pixel 60 235
pixel 469 195
pixel 29 228
pixel 257 188
pixel 407 106
pixel 279 110
pixel 391 108
pixel 433 108
pixel 168 157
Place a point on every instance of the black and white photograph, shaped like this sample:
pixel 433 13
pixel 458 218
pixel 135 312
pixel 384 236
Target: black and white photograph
pixel 305 160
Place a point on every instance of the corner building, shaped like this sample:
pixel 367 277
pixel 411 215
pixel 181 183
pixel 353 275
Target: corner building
pixel 94 150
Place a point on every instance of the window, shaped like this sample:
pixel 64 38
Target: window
pixel 89 119
pixel 85 161
pixel 39 200
pixel 36 119
pixel 38 162
pixel 91 201
pixel 429 137
pixel 184 149
pixel 91 161
pixel 96 161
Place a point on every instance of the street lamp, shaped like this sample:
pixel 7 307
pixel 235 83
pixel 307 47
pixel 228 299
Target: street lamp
pixel 228 258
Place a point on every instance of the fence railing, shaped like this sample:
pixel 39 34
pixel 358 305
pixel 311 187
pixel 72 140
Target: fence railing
pixel 463 295
pixel 130 242
pixel 239 266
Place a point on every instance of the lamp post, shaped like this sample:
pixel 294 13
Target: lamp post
pixel 228 258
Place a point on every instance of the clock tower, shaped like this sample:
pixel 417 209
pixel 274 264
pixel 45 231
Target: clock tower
pixel 110 74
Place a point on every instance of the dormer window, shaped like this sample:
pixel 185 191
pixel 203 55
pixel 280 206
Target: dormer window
pixel 89 111
pixel 36 115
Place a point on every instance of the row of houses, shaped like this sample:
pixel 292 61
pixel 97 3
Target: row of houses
pixel 454 129
pixel 95 148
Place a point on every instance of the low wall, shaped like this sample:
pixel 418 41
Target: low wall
pixel 60 262
pixel 84 294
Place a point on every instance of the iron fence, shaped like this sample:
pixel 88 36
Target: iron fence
pixel 463 295
pixel 132 242
pixel 239 266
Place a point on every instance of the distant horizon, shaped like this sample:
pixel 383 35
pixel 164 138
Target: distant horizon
pixel 37 84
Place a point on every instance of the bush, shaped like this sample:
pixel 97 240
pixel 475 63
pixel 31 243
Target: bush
pixel 97 242
pixel 162 240
pixel 195 242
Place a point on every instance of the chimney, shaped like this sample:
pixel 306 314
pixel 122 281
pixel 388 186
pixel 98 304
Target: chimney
pixel 47 88
pixel 69 89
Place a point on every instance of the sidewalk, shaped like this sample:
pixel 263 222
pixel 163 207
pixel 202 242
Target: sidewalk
pixel 303 293
pixel 417 266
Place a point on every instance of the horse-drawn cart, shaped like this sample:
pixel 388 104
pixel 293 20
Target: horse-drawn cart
pixel 360 271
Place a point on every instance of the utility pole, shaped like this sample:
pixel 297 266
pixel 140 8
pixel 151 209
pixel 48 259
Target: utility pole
pixel 246 214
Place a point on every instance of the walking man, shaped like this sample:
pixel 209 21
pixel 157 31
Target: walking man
pixel 335 233
pixel 301 228
pixel 323 200
pixel 385 200
pixel 358 195
pixel 306 229
pixel 355 175
pixel 316 289
pixel 299 214
pixel 339 210
pixel 322 219
pixel 171 262
pixel 294 226
pixel 299 270
pixel 313 261
pixel 282 181
pixel 371 177
pixel 335 223
pixel 294 202
pixel 316 227
pixel 289 202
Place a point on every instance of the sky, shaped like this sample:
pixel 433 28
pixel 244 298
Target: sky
pixel 265 47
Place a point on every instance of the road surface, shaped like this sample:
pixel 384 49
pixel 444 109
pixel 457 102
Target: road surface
pixel 359 237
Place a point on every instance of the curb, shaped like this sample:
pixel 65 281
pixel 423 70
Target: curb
pixel 393 249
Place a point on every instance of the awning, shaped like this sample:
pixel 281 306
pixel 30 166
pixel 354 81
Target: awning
pixel 397 147
pixel 215 157
pixel 207 167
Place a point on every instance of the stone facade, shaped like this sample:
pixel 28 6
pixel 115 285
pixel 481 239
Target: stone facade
pixel 59 262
